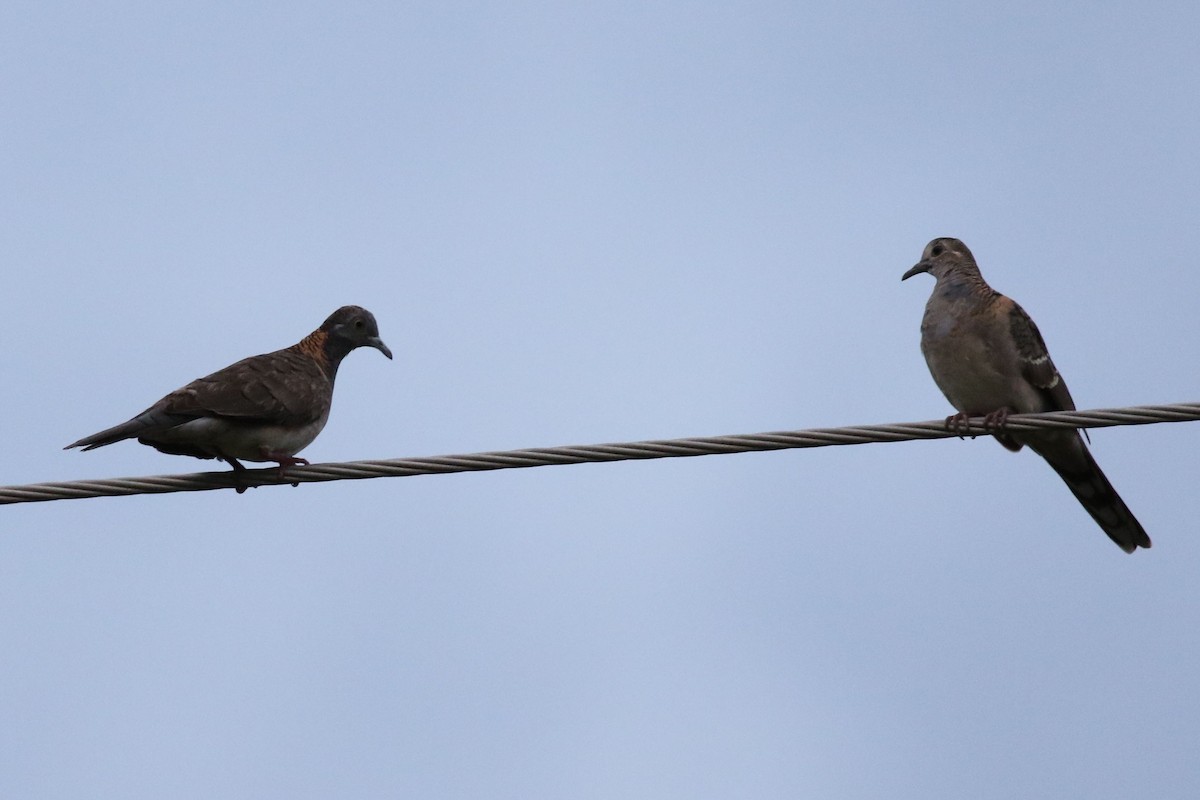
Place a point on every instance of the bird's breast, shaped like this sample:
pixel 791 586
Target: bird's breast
pixel 975 374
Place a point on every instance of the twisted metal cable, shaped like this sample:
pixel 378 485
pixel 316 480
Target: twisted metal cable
pixel 580 454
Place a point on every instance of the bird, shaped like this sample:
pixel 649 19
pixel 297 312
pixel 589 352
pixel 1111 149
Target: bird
pixel 263 408
pixel 989 359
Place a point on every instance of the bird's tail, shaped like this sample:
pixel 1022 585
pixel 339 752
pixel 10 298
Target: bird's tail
pixel 150 419
pixel 1075 465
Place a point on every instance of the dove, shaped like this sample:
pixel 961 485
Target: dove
pixel 265 408
pixel 988 358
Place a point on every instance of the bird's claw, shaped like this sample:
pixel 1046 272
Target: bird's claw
pixel 959 424
pixel 239 474
pixel 997 421
pixel 291 462
pixel 286 461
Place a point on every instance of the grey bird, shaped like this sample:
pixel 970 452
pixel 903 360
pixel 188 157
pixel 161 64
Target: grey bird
pixel 263 408
pixel 988 358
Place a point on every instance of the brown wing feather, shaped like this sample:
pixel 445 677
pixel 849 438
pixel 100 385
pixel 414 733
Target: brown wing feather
pixel 1036 366
pixel 284 388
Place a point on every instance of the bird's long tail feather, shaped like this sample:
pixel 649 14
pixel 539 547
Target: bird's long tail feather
pixel 1075 465
pixel 149 420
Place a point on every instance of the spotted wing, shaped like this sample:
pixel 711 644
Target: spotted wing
pixel 283 388
pixel 1036 366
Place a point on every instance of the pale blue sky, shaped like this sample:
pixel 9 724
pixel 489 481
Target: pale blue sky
pixel 580 224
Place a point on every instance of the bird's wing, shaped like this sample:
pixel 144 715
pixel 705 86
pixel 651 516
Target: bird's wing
pixel 283 388
pixel 1036 366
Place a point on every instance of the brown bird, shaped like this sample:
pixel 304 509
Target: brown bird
pixel 263 408
pixel 989 359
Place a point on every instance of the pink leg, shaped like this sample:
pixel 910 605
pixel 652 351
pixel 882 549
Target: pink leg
pixel 995 421
pixel 285 460
pixel 959 424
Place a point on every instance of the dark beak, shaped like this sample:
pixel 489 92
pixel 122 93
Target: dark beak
pixel 916 270
pixel 378 344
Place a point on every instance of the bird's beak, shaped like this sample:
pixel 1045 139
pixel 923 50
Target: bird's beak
pixel 923 266
pixel 378 344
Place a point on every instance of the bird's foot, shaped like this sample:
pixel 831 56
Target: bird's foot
pixel 996 421
pixel 238 474
pixel 284 460
pixel 959 424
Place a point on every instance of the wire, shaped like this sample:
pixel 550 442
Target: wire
pixel 552 456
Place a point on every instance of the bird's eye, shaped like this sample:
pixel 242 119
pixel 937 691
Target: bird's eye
pixel 358 323
pixel 937 250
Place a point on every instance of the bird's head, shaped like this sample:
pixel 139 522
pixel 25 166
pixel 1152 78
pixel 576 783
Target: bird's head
pixel 353 326
pixel 941 257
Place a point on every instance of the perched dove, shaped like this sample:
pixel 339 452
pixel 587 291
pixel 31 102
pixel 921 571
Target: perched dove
pixel 988 358
pixel 263 408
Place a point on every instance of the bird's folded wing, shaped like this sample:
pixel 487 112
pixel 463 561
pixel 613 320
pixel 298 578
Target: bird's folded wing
pixel 1036 366
pixel 283 388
